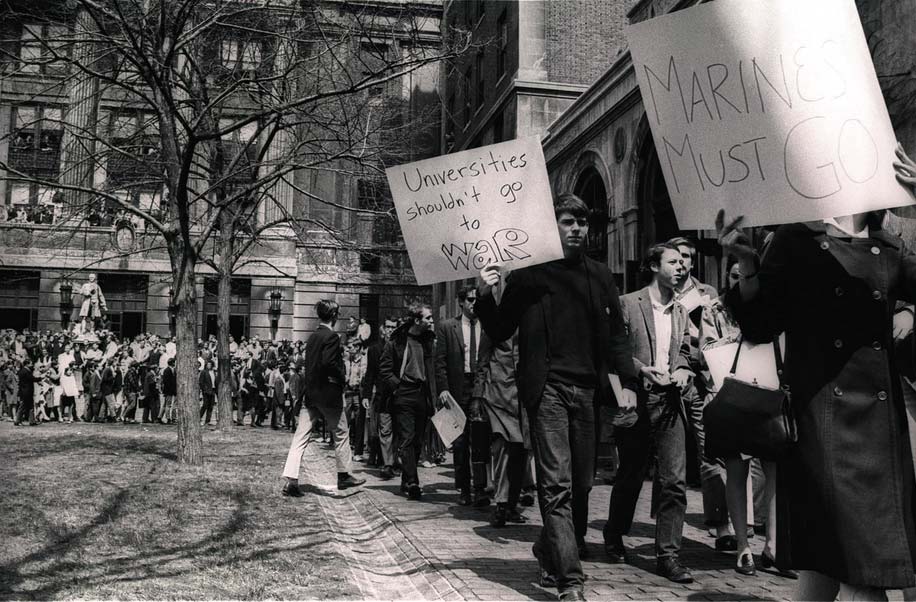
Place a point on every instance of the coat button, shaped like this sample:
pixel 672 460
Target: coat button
pixel 838 344
pixel 838 391
pixel 876 295
pixel 875 251
pixel 838 291
pixel 882 395
pixel 825 245
pixel 876 345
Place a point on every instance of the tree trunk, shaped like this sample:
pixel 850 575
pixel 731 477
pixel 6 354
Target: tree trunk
pixel 190 443
pixel 226 259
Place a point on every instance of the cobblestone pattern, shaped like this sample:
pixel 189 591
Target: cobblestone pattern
pixel 438 550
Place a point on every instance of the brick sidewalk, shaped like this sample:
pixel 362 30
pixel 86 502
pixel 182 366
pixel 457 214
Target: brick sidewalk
pixel 436 549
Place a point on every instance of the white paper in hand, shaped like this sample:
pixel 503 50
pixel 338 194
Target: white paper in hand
pixel 449 421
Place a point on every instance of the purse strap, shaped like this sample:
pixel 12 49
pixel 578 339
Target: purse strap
pixel 779 364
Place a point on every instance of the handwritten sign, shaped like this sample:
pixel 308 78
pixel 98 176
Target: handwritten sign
pixel 464 211
pixel 768 108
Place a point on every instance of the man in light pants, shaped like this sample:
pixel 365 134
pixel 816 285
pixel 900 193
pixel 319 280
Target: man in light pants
pixel 325 376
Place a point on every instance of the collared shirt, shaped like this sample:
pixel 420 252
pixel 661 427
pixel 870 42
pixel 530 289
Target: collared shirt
pixel 663 317
pixel 833 224
pixel 466 326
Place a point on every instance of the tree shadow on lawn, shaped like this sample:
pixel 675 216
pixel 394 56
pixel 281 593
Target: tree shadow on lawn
pixel 100 552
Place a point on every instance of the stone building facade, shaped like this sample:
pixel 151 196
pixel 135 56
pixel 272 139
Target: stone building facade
pixel 363 266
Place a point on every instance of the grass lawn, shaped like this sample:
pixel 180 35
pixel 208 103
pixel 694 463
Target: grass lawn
pixel 105 511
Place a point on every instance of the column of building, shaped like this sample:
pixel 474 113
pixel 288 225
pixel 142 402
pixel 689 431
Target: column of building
pixel 78 145
pixel 277 198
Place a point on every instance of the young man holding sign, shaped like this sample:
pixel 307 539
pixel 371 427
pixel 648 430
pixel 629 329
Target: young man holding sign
pixel 573 353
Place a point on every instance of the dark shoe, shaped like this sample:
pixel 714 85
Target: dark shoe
pixel 583 549
pixel 514 516
pixel 545 578
pixel 292 490
pixel 387 474
pixel 572 594
pixel 671 569
pixel 349 481
pixel 526 499
pixel 464 498
pixel 727 543
pixel 616 551
pixel 481 499
pixel 404 487
pixel 498 518
pixel 746 564
pixel 414 493
pixel 769 563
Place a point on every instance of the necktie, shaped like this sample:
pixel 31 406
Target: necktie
pixel 472 348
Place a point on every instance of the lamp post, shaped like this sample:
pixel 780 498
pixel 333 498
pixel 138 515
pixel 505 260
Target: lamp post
pixel 276 299
pixel 173 312
pixel 66 303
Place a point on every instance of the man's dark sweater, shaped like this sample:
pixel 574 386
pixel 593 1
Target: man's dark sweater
pixel 571 345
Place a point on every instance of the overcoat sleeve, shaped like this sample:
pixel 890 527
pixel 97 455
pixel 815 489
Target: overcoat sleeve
pixel 501 321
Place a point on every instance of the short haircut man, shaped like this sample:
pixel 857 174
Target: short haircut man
pixel 659 336
pixel 573 353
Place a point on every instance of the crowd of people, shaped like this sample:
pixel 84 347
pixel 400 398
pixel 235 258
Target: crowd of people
pixel 537 356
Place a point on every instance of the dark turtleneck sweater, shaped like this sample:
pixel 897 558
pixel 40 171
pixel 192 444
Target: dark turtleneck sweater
pixel 571 346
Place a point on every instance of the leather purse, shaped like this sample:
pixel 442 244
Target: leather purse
pixel 747 418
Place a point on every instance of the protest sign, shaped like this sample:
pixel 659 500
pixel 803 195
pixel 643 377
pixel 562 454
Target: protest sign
pixel 768 108
pixel 464 211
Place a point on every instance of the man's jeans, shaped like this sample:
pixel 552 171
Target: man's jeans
pixel 661 420
pixel 471 449
pixel 563 435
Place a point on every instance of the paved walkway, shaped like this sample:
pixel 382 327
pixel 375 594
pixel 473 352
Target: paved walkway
pixel 436 549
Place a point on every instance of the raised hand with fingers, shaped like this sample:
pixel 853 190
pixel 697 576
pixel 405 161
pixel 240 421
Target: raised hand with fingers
pixel 487 279
pixel 905 168
pixel 732 237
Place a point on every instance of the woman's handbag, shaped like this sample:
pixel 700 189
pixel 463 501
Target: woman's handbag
pixel 747 418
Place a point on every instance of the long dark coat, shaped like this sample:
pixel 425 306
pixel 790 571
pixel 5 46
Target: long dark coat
pixel 845 492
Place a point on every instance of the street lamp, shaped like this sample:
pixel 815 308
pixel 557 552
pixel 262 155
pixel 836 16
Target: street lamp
pixel 173 312
pixel 276 299
pixel 66 303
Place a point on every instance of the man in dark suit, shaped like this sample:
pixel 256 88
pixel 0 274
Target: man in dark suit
pixel 169 390
pixel 457 348
pixel 660 338
pixel 325 376
pixel 206 381
pixel 573 353
pixel 381 429
pixel 25 411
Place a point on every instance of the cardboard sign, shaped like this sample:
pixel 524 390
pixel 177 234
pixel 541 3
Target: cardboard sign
pixel 756 363
pixel 767 108
pixel 489 205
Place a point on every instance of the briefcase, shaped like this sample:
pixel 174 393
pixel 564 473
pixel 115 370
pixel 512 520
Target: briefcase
pixel 747 418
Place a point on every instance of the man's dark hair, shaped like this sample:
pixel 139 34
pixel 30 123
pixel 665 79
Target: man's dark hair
pixel 680 241
pixel 570 203
pixel 655 252
pixel 464 290
pixel 171 361
pixel 415 311
pixel 327 310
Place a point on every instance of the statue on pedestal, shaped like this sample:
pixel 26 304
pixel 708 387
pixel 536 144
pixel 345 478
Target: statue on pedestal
pixel 93 304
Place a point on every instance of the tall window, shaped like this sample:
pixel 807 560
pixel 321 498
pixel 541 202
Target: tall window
pixel 502 51
pixel 134 170
pixel 240 154
pixel 40 45
pixel 35 151
pixel 240 57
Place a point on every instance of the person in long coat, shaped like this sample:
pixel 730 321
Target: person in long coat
pixel 845 492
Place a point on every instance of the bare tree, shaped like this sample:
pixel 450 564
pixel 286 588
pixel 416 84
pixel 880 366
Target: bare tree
pixel 229 111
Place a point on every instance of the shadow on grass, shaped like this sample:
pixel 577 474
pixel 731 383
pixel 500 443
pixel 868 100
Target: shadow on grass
pixel 126 534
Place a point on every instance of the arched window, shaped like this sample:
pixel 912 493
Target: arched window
pixel 590 188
